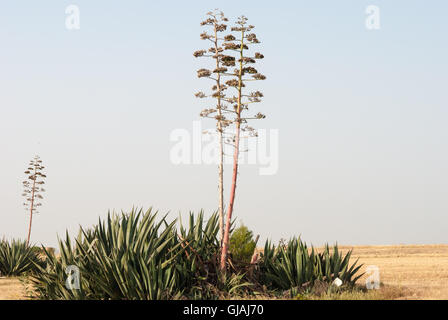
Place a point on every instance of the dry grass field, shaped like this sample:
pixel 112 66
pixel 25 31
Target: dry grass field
pixel 419 271
pixel 406 272
pixel 11 289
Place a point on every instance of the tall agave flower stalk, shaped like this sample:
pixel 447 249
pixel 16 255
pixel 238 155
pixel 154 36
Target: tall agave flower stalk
pixel 216 22
pixel 33 189
pixel 241 101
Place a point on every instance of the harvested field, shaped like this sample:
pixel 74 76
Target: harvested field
pixel 420 270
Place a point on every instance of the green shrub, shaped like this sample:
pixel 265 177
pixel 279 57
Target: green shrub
pixel 242 244
pixel 133 256
pixel 17 258
pixel 296 267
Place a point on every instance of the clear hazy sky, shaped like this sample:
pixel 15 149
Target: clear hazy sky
pixel 362 116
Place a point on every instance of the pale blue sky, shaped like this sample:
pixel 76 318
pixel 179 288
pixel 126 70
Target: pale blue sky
pixel 361 116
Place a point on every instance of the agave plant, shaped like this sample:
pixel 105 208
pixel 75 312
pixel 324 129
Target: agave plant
pixel 294 266
pixel 201 243
pixel 289 266
pixel 131 256
pixel 17 258
pixel 337 265
pixel 136 256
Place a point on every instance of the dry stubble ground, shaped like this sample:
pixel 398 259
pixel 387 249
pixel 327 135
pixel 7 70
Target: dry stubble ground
pixel 420 270
pixel 11 289
pixel 406 271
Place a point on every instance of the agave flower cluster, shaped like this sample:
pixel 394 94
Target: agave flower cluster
pixel 33 189
pixel 32 186
pixel 233 67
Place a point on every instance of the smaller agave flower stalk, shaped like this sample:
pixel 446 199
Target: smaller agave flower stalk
pixel 238 82
pixel 33 189
pixel 216 24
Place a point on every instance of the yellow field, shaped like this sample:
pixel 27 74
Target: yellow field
pixel 420 270
pixel 407 272
pixel 11 289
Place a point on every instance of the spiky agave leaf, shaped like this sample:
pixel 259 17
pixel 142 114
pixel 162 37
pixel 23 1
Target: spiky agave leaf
pixel 132 256
pixel 295 265
pixel 17 258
